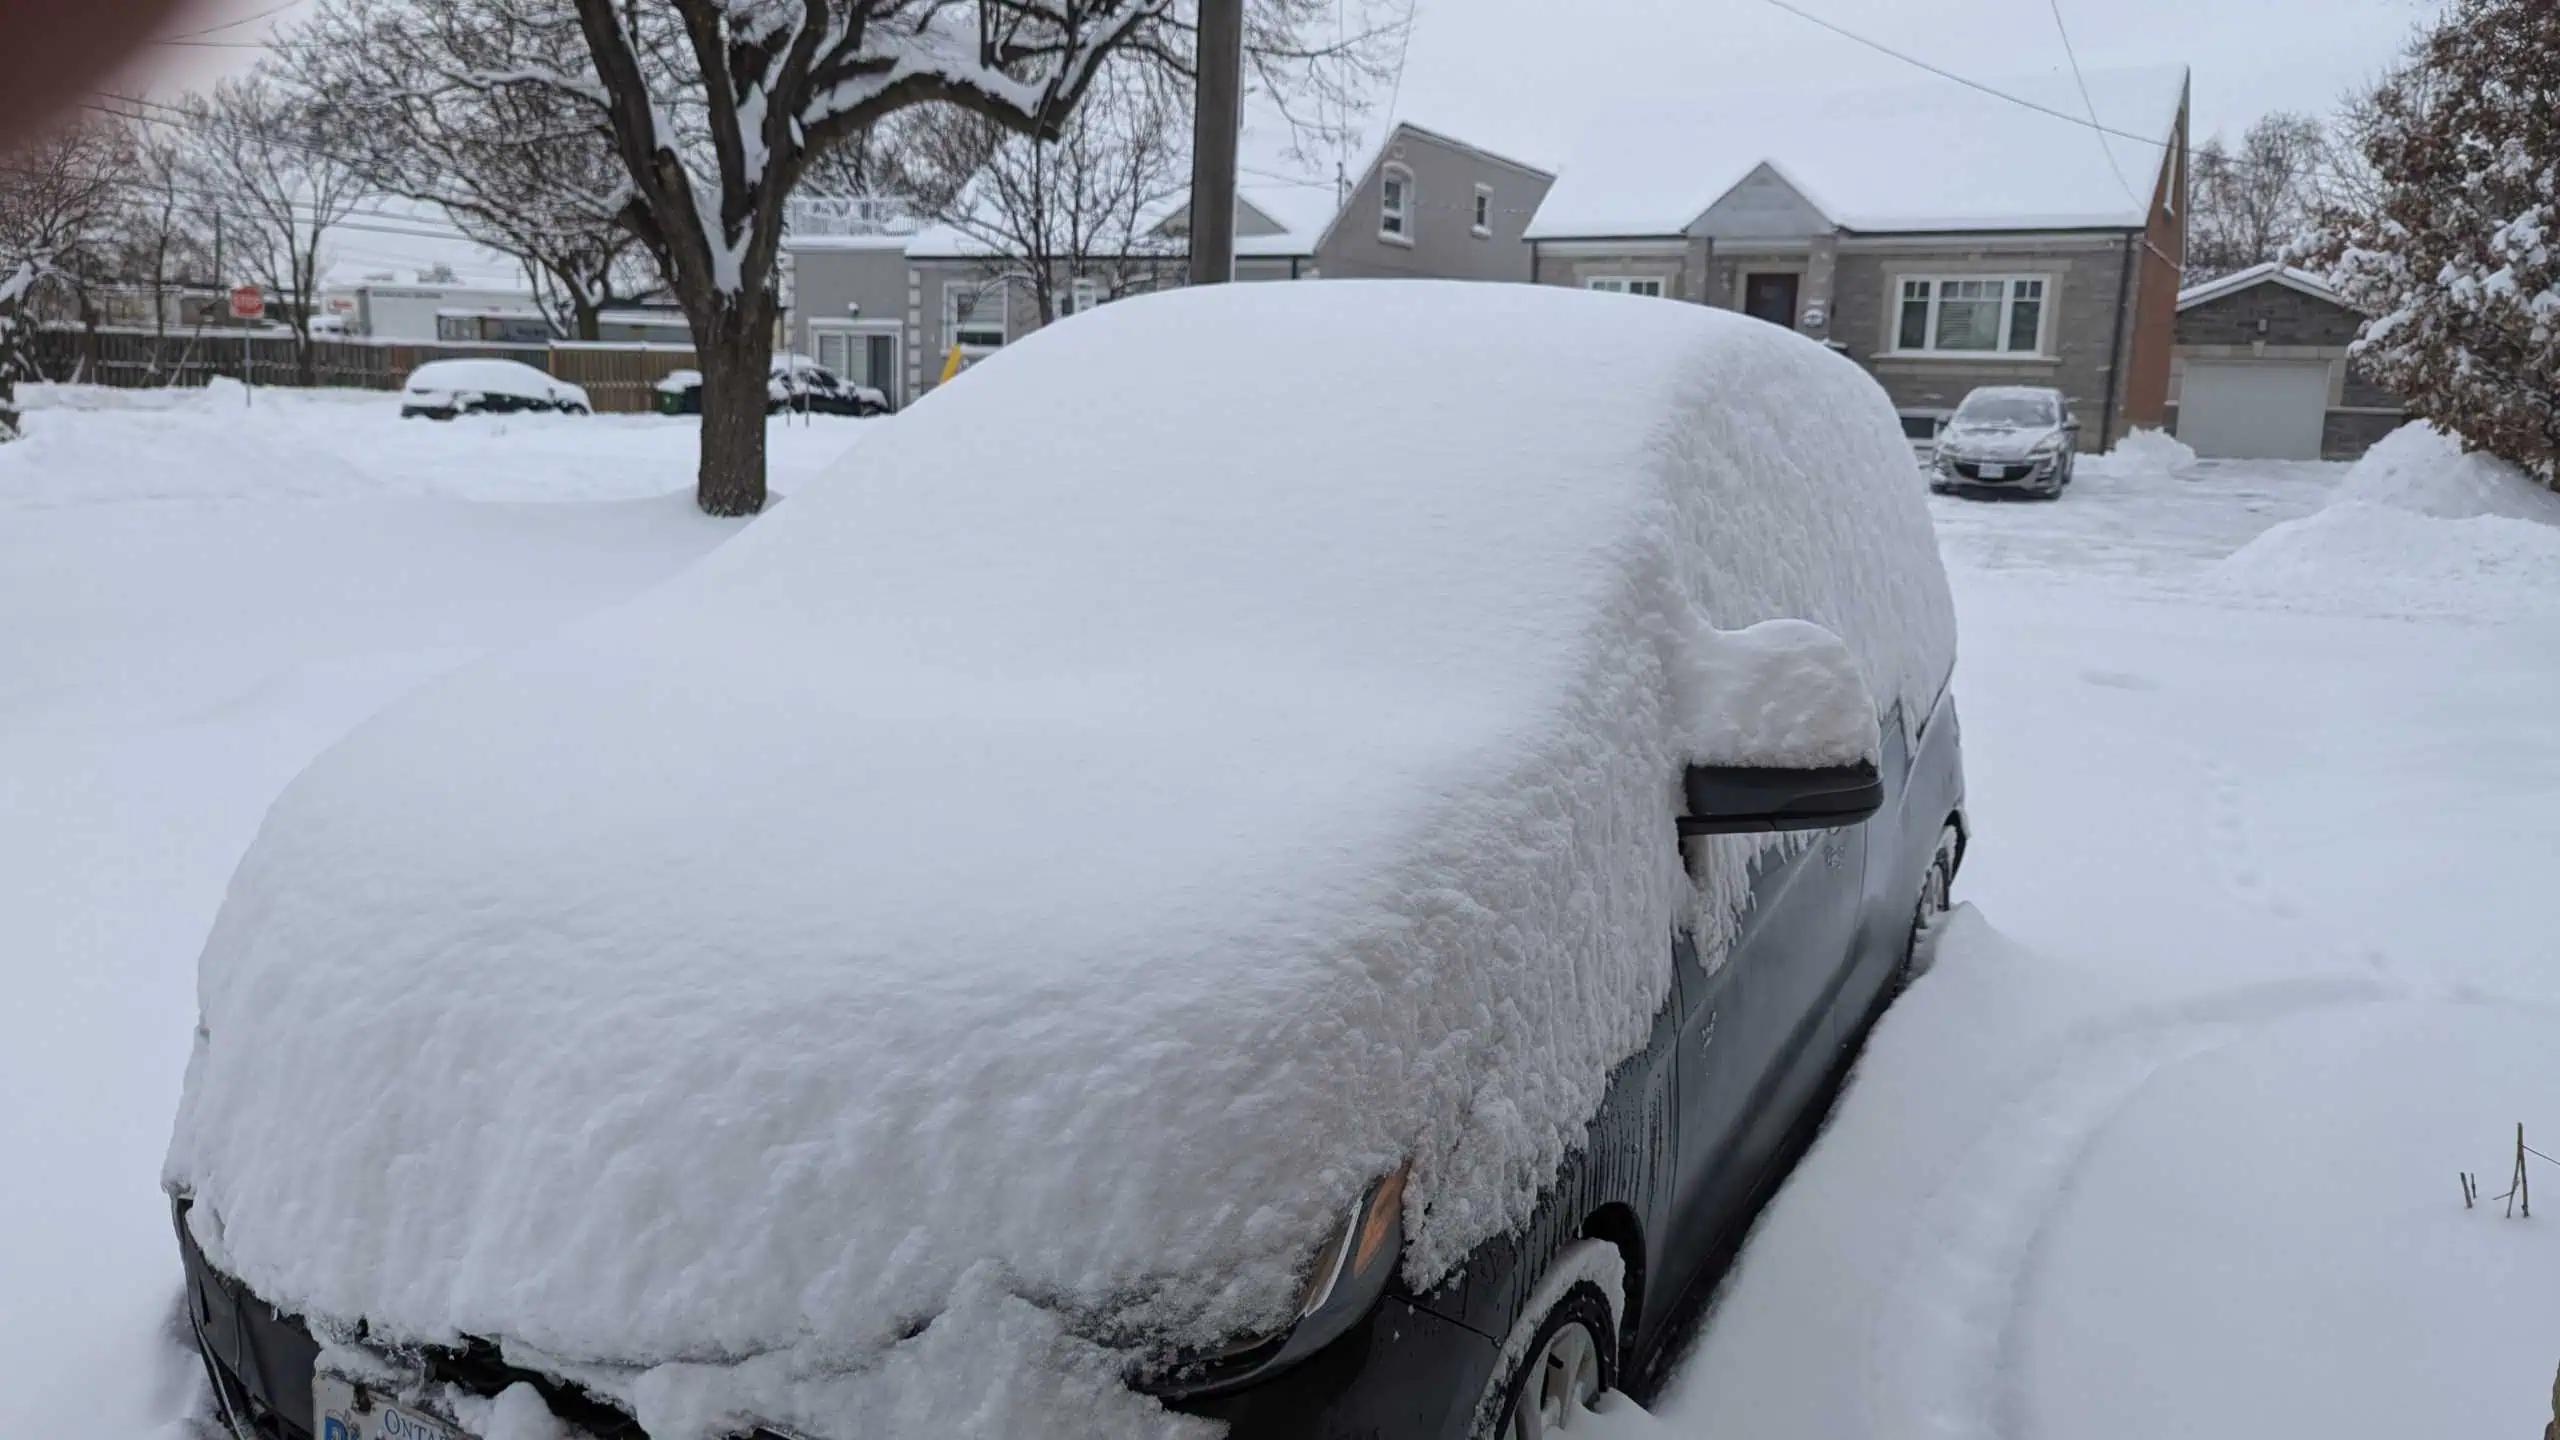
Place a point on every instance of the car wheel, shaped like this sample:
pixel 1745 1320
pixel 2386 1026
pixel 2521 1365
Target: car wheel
pixel 573 408
pixel 1937 883
pixel 1563 1355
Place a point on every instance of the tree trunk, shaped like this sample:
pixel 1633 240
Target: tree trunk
pixel 735 361
pixel 583 315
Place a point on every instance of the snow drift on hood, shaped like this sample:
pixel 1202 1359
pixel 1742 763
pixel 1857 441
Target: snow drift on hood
pixel 1207 755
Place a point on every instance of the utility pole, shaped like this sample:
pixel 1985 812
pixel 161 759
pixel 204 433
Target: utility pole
pixel 1215 118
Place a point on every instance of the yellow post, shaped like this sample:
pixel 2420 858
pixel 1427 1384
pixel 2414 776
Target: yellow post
pixel 951 364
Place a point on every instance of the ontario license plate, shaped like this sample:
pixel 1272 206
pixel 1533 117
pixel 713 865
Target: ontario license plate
pixel 341 1410
pixel 1995 472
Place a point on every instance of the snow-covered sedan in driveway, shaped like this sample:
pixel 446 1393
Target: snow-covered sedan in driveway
pixel 2016 439
pixel 1137 908
pixel 443 389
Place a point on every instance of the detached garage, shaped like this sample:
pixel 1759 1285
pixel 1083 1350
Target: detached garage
pixel 2261 371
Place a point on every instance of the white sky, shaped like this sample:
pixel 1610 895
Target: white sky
pixel 1519 75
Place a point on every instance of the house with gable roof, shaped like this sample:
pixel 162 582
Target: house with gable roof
pixel 1941 237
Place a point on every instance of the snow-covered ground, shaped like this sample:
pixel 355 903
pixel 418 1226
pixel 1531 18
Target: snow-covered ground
pixel 2257 953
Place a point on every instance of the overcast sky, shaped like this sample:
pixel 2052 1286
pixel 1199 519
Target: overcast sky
pixel 1521 74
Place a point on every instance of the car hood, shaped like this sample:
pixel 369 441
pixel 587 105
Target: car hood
pixel 1994 442
pixel 1085 841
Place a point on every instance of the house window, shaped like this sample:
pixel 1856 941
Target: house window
pixel 1082 295
pixel 1484 210
pixel 1625 285
pixel 1395 204
pixel 1971 314
pixel 973 315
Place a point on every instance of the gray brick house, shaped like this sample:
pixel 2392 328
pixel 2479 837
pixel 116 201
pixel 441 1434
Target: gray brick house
pixel 1941 237
pixel 883 301
pixel 2262 370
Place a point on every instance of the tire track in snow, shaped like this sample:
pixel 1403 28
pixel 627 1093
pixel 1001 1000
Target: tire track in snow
pixel 1941 1344
pixel 2240 862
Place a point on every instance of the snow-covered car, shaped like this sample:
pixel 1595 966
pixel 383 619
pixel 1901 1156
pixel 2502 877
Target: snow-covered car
pixel 1144 908
pixel 796 382
pixel 443 389
pixel 2021 439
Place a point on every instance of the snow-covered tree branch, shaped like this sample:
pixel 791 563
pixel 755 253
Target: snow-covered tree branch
pixel 2459 262
pixel 59 196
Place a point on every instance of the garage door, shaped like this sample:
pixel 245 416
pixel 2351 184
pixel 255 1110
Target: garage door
pixel 2270 411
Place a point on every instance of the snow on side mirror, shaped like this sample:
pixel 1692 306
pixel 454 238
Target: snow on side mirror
pixel 1779 731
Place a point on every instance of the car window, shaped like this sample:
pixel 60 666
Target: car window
pixel 2006 410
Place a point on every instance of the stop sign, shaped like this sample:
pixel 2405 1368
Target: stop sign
pixel 247 303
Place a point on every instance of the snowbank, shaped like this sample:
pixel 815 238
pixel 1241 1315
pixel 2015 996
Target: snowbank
pixel 2423 470
pixel 2147 451
pixel 1090 873
pixel 2416 528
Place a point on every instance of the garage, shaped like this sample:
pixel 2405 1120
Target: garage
pixel 2255 410
pixel 2264 369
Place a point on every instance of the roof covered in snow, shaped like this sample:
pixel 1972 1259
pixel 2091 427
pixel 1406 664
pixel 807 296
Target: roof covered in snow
pixel 1930 156
pixel 1072 850
pixel 2266 272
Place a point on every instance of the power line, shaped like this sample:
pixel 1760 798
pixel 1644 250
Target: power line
pixel 2092 105
pixel 1404 45
pixel 269 12
pixel 1943 73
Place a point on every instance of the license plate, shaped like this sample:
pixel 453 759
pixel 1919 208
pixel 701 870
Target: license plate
pixel 342 1411
pixel 1996 472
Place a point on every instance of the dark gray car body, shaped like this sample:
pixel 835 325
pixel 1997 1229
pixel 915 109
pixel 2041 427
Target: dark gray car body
pixel 1694 1131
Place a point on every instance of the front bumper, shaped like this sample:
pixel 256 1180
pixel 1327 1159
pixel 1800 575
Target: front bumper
pixel 1401 1371
pixel 2037 472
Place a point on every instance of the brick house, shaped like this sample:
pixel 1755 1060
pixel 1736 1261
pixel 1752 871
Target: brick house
pixel 2262 370
pixel 1942 238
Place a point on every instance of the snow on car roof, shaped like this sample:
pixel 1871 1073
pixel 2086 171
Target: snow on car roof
pixel 510 377
pixel 1202 758
pixel 1926 156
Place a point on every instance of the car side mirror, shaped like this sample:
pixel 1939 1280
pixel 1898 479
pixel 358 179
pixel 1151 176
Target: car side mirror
pixel 1780 732
pixel 1747 800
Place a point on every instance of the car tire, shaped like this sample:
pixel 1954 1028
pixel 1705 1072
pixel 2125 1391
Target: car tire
pixel 1937 884
pixel 1562 1358
pixel 574 409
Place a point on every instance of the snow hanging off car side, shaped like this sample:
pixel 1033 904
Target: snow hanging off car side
pixel 1081 847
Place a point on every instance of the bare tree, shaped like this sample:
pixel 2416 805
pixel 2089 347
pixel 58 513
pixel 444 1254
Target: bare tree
pixel 163 231
pixel 716 110
pixel 283 177
pixel 1082 208
pixel 522 170
pixel 58 199
pixel 2254 205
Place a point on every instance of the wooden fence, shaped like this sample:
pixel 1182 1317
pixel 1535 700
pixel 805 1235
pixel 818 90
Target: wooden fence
pixel 617 377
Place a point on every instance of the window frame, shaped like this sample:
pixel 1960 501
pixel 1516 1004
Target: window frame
pixel 1402 212
pixel 1625 285
pixel 953 289
pixel 1084 292
pixel 1481 221
pixel 1897 287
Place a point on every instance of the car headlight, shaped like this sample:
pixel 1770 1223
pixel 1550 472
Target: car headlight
pixel 2047 448
pixel 1350 1271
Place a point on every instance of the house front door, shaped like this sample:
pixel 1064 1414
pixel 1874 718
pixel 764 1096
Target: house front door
pixel 1771 295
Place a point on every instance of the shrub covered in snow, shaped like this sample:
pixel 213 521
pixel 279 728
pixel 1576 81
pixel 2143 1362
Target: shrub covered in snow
pixel 1068 859
pixel 2423 469
pixel 2459 263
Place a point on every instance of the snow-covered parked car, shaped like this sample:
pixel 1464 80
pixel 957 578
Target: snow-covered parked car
pixel 1140 906
pixel 795 382
pixel 442 389
pixel 2021 439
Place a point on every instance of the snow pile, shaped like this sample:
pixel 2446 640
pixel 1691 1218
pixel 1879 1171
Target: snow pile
pixel 1086 862
pixel 2424 470
pixel 2416 528
pixel 2147 451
